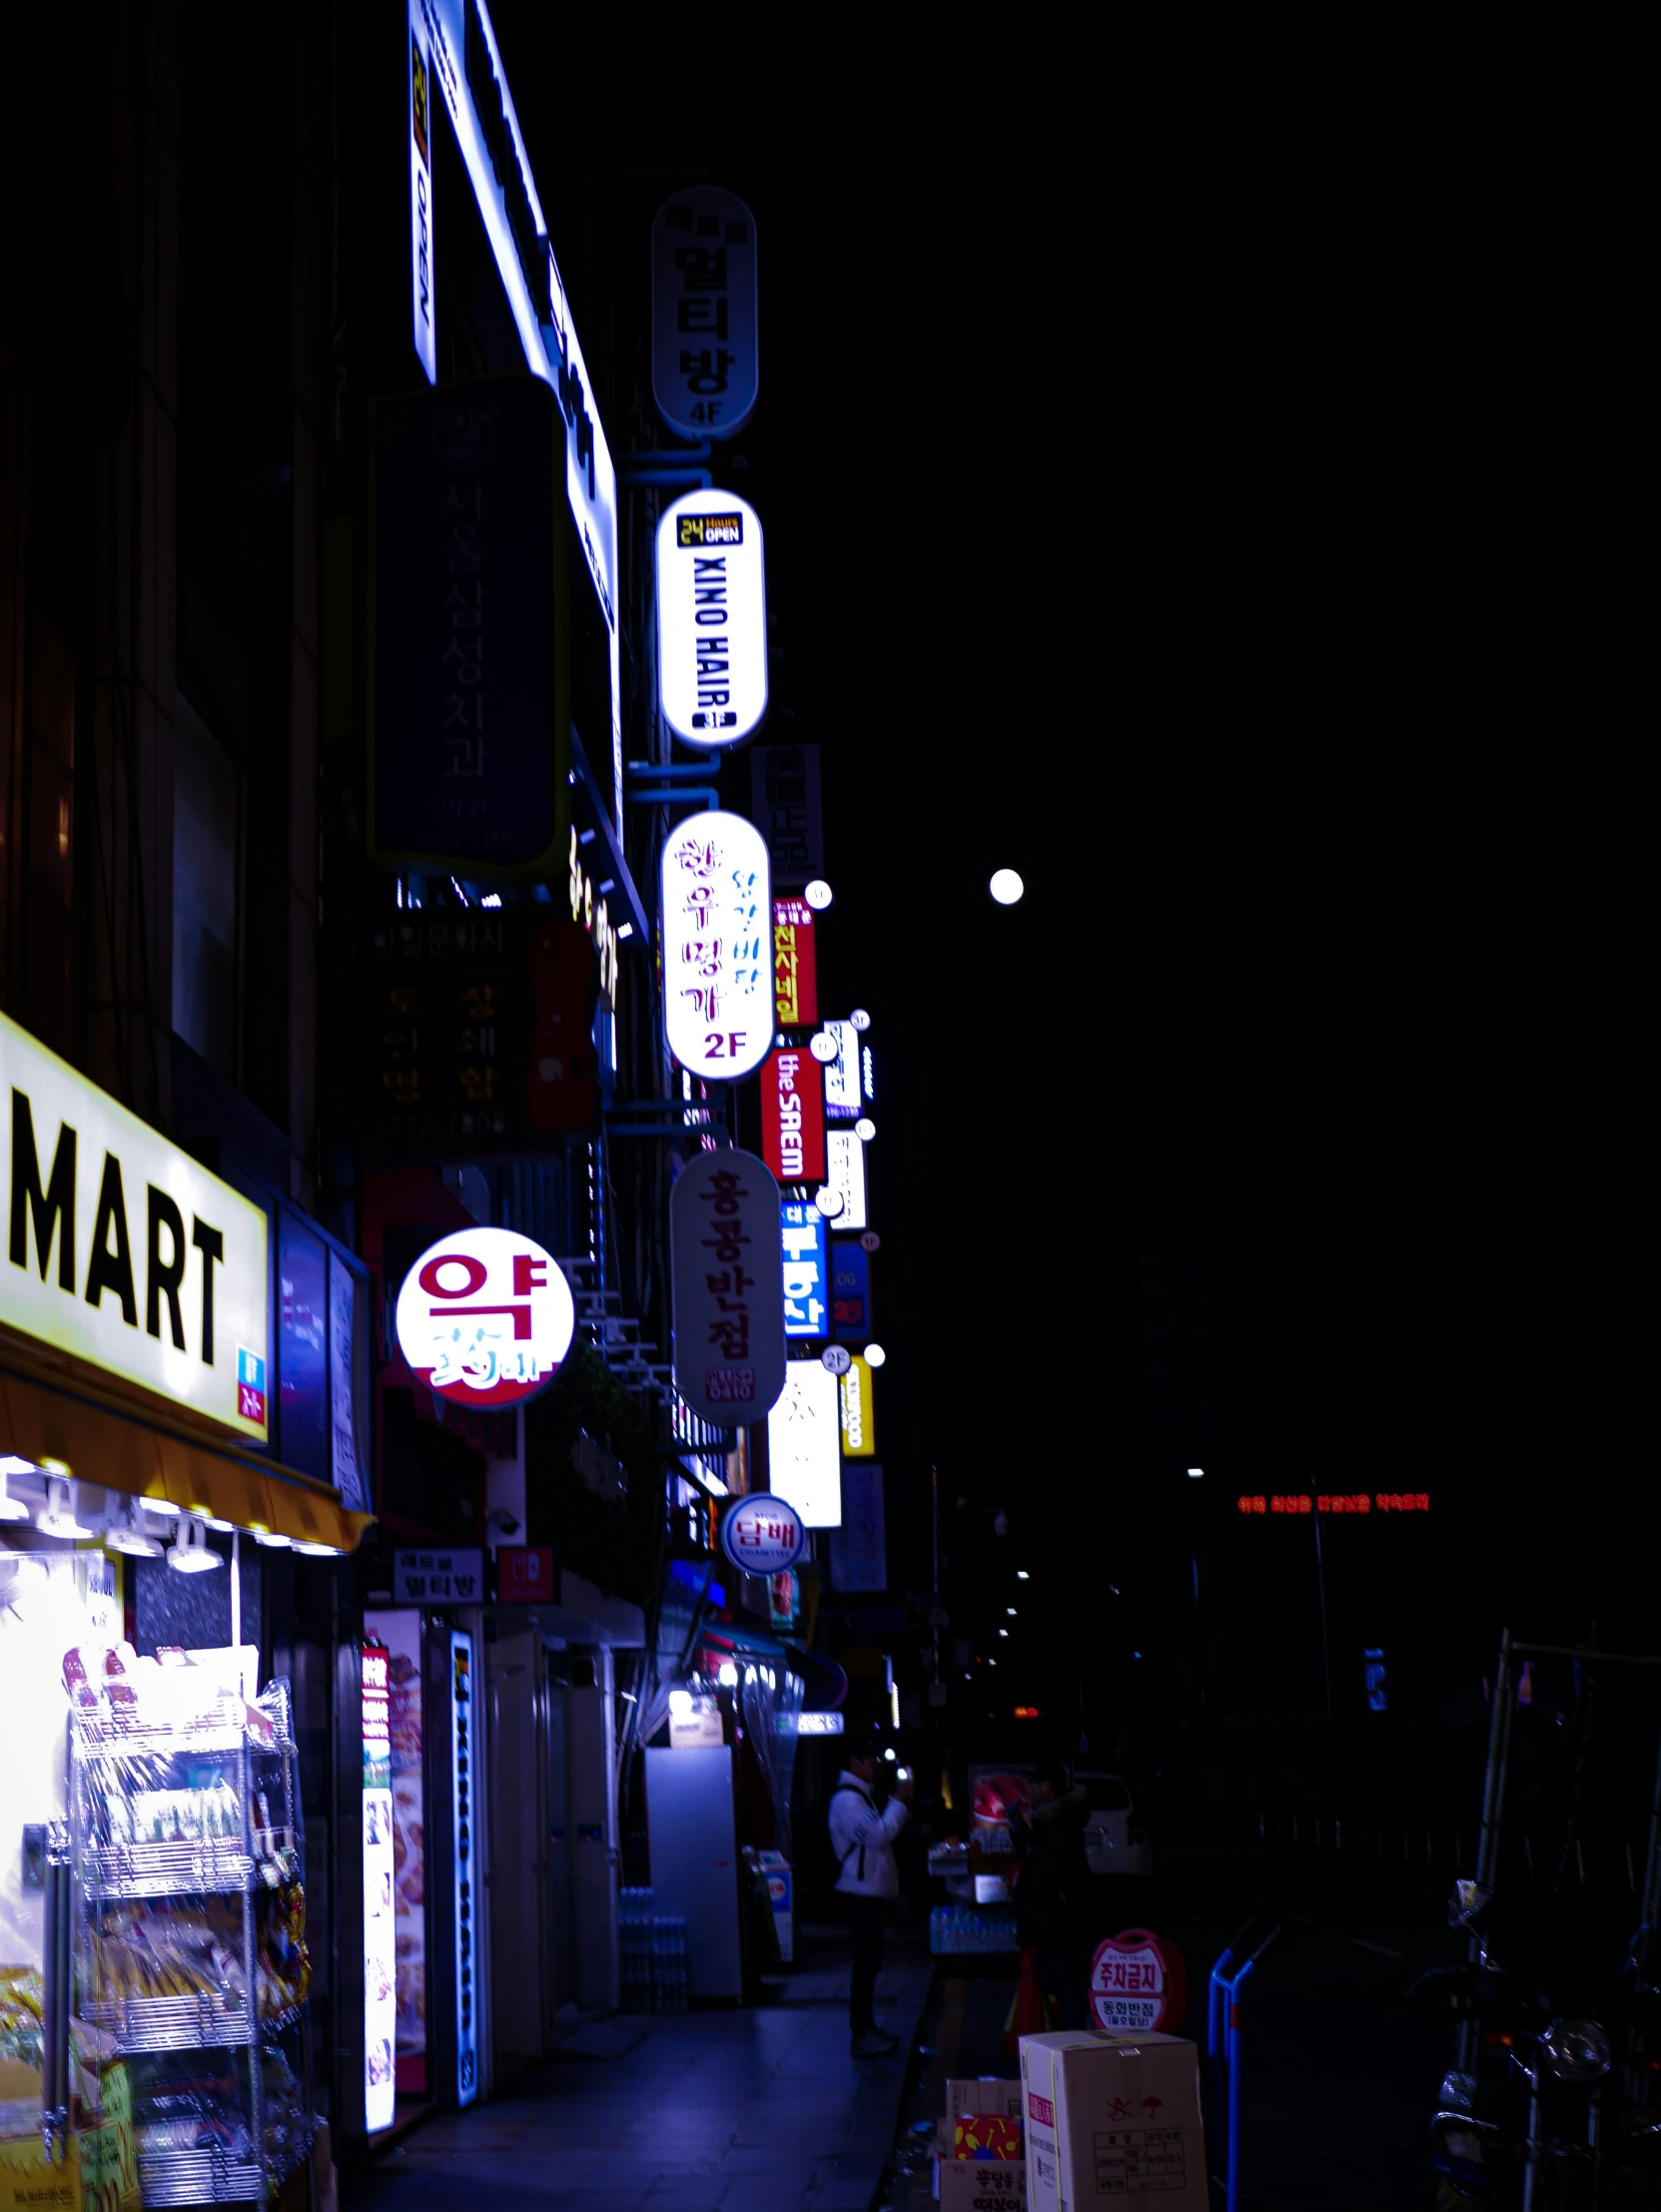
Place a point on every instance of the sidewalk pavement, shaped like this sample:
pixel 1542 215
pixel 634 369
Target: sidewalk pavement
pixel 755 2109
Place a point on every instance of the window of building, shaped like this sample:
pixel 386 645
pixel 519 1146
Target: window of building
pixel 206 843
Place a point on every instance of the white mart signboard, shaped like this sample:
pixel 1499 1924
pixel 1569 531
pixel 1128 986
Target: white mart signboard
pixel 804 1444
pixel 711 619
pixel 718 908
pixel 123 1251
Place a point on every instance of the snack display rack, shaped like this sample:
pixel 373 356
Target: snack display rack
pixel 189 1935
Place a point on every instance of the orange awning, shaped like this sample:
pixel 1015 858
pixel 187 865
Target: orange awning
pixel 118 1451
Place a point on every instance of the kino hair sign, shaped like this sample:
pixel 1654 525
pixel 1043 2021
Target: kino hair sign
pixel 711 619
pixel 122 1252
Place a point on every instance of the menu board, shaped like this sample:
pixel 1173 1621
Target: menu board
pixel 379 1956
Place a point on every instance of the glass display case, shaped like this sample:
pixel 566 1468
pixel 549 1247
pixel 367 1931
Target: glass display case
pixel 191 1969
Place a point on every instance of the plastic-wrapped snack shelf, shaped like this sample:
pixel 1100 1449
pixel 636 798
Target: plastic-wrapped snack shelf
pixel 200 2177
pixel 206 2020
pixel 204 1869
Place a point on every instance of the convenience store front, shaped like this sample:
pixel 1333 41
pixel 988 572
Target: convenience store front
pixel 150 1860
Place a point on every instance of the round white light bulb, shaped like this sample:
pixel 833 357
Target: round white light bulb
pixel 874 1355
pixel 818 894
pixel 865 1128
pixel 830 1203
pixel 860 1018
pixel 1006 887
pixel 823 1046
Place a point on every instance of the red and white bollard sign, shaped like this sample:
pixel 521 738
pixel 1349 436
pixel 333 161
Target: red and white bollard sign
pixel 1137 1982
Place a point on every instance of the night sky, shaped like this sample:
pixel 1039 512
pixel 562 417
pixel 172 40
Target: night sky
pixel 1235 589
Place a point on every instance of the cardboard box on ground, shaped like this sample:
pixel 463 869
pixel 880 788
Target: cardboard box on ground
pixel 1113 2118
pixel 962 2181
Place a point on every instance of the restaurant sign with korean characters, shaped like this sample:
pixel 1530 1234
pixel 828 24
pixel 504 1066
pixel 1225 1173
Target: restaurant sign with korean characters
pixel 484 1317
pixel 727 1271
pixel 711 619
pixel 717 907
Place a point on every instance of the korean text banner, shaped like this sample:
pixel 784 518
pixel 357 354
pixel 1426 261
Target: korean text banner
pixel 718 964
pixel 711 619
pixel 793 1115
pixel 469 713
pixel 728 1287
pixel 124 1252
pixel 795 965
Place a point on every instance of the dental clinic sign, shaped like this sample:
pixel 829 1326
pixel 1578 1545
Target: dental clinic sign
pixel 122 1252
pixel 711 619
pixel 484 1317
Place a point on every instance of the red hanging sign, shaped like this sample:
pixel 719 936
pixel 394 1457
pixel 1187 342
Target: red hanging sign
pixel 793 1114
pixel 795 970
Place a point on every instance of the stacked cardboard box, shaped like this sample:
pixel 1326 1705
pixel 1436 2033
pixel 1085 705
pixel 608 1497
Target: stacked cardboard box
pixel 979 2161
pixel 1113 2117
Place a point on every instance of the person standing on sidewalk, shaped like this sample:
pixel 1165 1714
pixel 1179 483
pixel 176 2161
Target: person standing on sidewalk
pixel 868 1881
pixel 1052 1893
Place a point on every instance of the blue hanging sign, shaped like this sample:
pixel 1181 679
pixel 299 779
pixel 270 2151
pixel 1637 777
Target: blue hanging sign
pixel 705 359
pixel 807 1269
pixel 850 1293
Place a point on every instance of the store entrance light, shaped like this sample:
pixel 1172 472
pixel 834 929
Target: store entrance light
pixel 272 1539
pixel 130 1537
pixel 190 1554
pixel 318 1551
pixel 61 1515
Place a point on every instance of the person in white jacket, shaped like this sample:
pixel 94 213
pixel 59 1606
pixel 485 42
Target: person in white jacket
pixel 868 1881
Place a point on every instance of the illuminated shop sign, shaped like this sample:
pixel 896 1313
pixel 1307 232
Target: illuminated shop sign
pixel 851 1291
pixel 711 619
pixel 762 1535
pixel 859 1421
pixel 795 967
pixel 464 1764
pixel 807 1269
pixel 727 1286
pixel 793 1115
pixel 705 359
pixel 426 322
pixel 123 1251
pixel 803 1456
pixel 845 1175
pixel 379 1911
pixel 593 913
pixel 837 1046
pixel 1358 1501
pixel 466 65
pixel 484 1317
pixel 717 970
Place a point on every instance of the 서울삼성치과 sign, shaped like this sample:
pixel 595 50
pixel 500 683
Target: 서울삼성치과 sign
pixel 124 1251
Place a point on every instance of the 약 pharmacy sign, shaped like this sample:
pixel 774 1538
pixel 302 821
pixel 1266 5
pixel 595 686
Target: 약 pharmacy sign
pixel 484 1317
pixel 123 1251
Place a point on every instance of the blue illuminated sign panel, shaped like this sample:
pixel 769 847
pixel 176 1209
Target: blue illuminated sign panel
pixel 807 1269
pixel 850 1293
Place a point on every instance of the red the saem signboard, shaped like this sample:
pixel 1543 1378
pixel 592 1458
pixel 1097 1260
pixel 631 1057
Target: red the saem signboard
pixel 793 1114
pixel 795 975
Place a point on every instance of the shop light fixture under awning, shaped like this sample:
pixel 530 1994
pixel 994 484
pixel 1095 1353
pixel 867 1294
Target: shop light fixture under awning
pixel 169 1473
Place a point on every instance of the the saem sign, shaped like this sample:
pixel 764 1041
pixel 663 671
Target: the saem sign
pixel 124 1252
pixel 793 1115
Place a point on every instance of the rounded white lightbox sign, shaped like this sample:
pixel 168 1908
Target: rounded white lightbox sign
pixel 711 619
pixel 718 908
pixel 484 1317
pixel 762 1533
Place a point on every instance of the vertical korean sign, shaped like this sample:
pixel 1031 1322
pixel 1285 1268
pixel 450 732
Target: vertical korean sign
pixel 806 1268
pixel 729 1283
pixel 380 1923
pixel 795 965
pixel 793 1115
pixel 470 677
pixel 466 1861
pixel 706 361
pixel 422 306
pixel 717 970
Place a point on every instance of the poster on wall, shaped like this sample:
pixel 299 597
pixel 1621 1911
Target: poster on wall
pixel 380 1923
